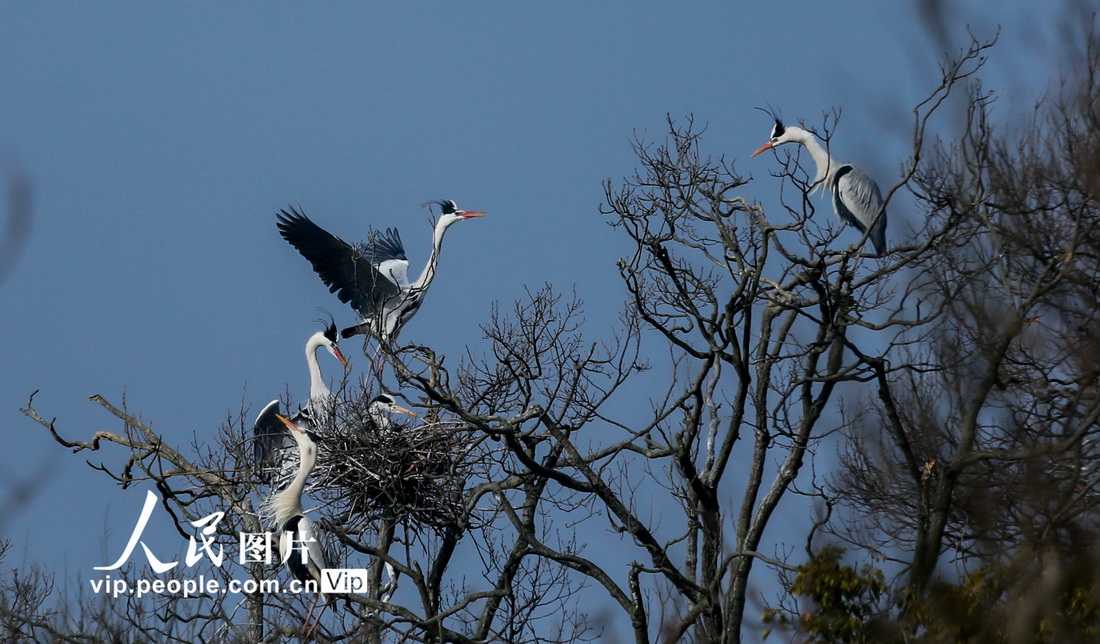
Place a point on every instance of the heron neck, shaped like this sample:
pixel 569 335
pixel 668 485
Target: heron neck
pixel 428 274
pixel 293 492
pixel 826 165
pixel 317 387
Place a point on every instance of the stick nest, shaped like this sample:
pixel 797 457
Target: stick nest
pixel 411 474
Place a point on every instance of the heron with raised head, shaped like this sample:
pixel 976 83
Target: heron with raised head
pixel 373 276
pixel 271 443
pixel 857 199
pixel 299 541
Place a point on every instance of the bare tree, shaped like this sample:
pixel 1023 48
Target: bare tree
pixel 991 401
pixel 761 322
pixel 973 468
pixel 487 522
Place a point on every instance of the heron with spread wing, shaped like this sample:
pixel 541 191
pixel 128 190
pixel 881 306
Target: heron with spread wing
pixel 372 277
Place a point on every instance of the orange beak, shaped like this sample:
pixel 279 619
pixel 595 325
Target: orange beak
pixel 470 213
pixel 402 410
pixel 766 146
pixel 340 356
pixel 290 425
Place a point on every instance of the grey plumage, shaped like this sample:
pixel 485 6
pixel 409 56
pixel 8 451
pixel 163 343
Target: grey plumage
pixel 858 202
pixel 371 277
pixel 857 199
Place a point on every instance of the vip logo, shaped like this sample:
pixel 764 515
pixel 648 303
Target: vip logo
pixel 344 580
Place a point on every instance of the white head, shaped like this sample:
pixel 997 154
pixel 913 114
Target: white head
pixel 450 214
pixel 782 134
pixel 306 440
pixel 380 409
pixel 328 338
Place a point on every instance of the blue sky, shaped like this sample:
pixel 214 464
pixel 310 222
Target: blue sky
pixel 161 139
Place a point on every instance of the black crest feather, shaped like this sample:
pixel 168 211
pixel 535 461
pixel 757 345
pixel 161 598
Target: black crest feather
pixel 779 128
pixel 330 329
pixel 447 206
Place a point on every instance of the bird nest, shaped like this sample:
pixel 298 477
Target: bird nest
pixel 409 474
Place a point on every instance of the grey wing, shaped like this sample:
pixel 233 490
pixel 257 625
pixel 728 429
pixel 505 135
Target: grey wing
pixel 385 245
pixel 275 454
pixel 345 269
pixel 858 202
pixel 330 551
pixel 270 442
pixel 387 254
pixel 318 547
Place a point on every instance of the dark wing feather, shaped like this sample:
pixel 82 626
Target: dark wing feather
pixel 292 557
pixel 385 245
pixel 857 201
pixel 342 267
pixel 275 454
pixel 300 533
pixel 270 439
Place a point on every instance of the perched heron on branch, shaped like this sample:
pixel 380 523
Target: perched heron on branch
pixel 857 200
pixel 271 440
pixel 372 277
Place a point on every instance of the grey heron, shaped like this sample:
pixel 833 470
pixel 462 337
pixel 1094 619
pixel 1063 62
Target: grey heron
pixel 379 410
pixel 857 200
pixel 373 276
pixel 299 542
pixel 270 440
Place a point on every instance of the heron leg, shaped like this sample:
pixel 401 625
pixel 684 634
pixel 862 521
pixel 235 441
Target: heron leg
pixel 375 363
pixel 306 627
